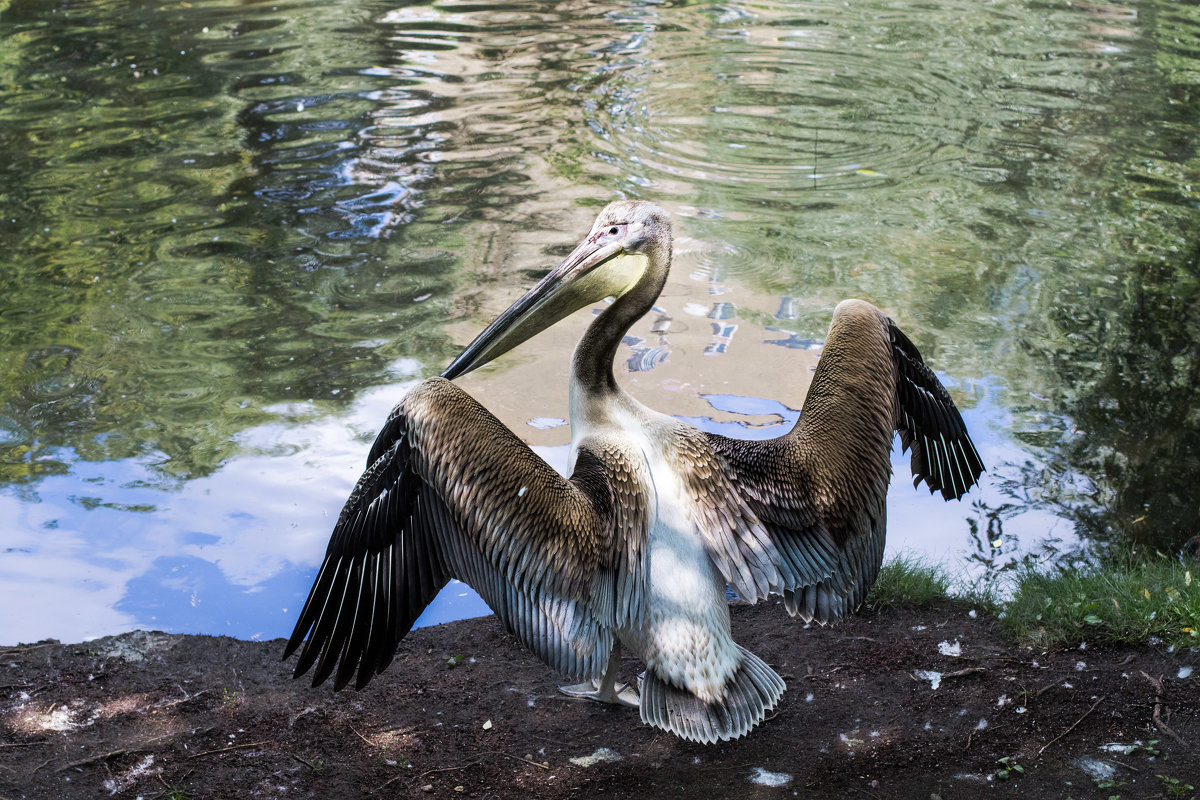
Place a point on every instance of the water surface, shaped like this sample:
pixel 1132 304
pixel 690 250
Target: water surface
pixel 233 232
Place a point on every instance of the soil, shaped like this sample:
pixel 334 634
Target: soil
pixel 464 711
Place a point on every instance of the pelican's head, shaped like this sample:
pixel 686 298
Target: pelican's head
pixel 629 243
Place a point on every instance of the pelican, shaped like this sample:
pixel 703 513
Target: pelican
pixel 636 548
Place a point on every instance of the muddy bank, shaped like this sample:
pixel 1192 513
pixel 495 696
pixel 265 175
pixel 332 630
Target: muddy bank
pixel 896 704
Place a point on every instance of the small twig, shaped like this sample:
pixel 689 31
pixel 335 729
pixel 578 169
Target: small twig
pixel 359 735
pixel 22 744
pixel 39 766
pixel 559 741
pixel 468 764
pixel 168 786
pixel 227 749
pixel 386 783
pixel 723 768
pixel 449 769
pixel 812 676
pixel 960 673
pixel 517 758
pixel 186 698
pixel 92 759
pixel 1068 730
pixel 305 762
pixel 1158 705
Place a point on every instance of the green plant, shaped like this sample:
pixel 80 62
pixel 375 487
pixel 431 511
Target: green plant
pixel 1124 599
pixel 1150 748
pixel 1174 787
pixel 1008 768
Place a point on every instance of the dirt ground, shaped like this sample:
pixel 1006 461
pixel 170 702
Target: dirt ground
pixel 464 711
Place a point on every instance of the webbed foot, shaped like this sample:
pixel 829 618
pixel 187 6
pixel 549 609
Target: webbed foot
pixel 621 694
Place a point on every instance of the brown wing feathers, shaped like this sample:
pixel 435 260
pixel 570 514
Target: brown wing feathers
pixel 820 491
pixel 450 492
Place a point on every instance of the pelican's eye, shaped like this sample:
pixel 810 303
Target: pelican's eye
pixel 611 233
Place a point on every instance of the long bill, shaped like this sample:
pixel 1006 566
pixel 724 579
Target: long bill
pixel 569 287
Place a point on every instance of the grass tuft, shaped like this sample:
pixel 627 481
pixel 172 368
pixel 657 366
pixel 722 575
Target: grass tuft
pixel 1123 600
pixel 908 581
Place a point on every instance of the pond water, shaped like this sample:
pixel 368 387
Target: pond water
pixel 231 233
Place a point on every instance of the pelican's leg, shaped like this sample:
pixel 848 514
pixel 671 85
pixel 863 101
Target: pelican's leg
pixel 606 689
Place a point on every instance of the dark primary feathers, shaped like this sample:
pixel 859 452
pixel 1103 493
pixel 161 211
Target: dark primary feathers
pixel 943 454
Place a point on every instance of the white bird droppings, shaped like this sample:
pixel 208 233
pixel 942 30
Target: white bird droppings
pixel 1185 672
pixel 947 649
pixel 521 492
pixel 122 782
pixel 1099 770
pixel 934 678
pixel 767 778
pixel 601 755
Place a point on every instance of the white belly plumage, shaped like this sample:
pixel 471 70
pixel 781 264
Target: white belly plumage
pixel 686 639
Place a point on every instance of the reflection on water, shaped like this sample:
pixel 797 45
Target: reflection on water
pixel 232 230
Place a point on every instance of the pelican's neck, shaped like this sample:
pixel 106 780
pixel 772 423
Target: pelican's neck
pixel 592 364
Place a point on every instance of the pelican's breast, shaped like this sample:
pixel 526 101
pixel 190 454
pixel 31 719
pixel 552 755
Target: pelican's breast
pixel 684 636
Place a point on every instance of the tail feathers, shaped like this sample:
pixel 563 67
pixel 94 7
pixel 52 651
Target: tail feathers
pixel 750 693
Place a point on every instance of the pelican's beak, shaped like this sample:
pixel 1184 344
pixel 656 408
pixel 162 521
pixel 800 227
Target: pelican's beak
pixel 570 286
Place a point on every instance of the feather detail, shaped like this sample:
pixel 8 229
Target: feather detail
pixel 441 498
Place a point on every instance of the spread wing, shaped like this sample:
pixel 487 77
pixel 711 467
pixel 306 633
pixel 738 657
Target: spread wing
pixel 448 492
pixel 820 491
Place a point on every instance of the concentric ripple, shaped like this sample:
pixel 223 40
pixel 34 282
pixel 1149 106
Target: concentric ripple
pixel 762 100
